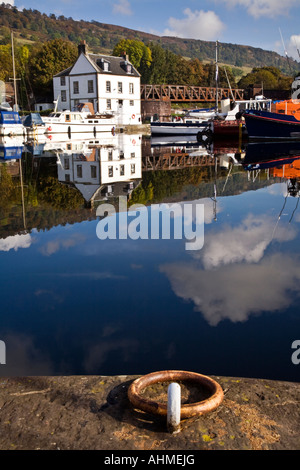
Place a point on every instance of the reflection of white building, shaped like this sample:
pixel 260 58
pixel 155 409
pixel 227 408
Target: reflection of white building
pixel 100 169
pixel 110 83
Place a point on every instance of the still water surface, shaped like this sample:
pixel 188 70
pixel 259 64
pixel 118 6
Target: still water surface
pixel 74 304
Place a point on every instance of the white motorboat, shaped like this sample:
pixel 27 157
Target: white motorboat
pixel 83 119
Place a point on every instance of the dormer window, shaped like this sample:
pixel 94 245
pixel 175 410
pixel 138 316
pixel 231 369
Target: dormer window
pixel 127 66
pixel 104 65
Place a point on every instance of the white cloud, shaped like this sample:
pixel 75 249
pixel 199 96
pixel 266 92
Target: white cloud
pixel 54 246
pixel 236 291
pixel 244 243
pixel 23 357
pixel 233 277
pixel 293 46
pixel 123 7
pixel 205 25
pixel 259 8
pixel 15 242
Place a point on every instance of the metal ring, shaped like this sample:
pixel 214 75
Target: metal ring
pixel 187 410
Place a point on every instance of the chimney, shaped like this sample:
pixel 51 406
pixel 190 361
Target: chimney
pixel 125 56
pixel 82 48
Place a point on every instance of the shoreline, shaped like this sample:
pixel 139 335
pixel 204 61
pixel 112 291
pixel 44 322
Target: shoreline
pixel 94 413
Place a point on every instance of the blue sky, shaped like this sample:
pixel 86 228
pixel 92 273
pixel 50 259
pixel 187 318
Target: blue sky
pixel 251 22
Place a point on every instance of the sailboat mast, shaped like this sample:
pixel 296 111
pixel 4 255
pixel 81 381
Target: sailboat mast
pixel 217 76
pixel 285 51
pixel 14 71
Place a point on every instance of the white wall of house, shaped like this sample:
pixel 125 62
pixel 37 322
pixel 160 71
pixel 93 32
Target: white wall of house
pixel 118 161
pixel 43 106
pixel 119 94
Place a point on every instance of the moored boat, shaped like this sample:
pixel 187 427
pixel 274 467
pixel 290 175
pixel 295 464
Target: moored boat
pixel 83 119
pixel 263 125
pixel 10 123
pixel 177 128
pixel 34 125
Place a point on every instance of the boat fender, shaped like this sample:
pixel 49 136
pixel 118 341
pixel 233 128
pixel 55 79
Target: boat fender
pixel 49 128
pixel 133 116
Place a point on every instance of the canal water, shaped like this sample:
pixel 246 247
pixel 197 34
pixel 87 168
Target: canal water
pixel 88 287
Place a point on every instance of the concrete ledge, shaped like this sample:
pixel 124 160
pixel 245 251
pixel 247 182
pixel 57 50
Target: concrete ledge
pixel 144 129
pixel 94 413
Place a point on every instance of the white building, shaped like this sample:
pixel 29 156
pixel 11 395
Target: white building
pixel 101 169
pixel 110 83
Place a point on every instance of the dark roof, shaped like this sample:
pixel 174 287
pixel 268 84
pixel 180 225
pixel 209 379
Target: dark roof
pixel 64 72
pixel 117 66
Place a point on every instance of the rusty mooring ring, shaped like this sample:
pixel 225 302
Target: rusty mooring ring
pixel 187 410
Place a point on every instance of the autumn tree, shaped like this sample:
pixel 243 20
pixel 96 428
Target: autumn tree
pixel 138 53
pixel 47 60
pixel 270 78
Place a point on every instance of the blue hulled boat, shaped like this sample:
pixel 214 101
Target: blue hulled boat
pixel 263 125
pixel 10 123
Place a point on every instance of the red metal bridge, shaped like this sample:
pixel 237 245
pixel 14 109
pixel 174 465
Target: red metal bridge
pixel 184 93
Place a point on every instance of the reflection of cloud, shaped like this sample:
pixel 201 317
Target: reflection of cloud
pixel 210 210
pixel 23 357
pixel 94 276
pixel 99 352
pixel 247 242
pixel 235 291
pixel 54 297
pixel 55 245
pixel 15 242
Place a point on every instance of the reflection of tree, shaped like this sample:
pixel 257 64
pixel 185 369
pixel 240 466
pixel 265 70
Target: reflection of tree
pixel 192 183
pixel 9 192
pixel 48 202
pixel 58 195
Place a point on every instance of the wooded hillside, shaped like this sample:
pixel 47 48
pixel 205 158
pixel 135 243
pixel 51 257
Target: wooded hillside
pixel 31 26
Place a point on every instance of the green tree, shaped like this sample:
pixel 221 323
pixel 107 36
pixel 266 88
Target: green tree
pixel 6 63
pixel 47 60
pixel 138 53
pixel 269 77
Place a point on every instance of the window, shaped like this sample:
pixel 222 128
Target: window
pixel 110 155
pixel 66 164
pixel 132 155
pixel 131 103
pixel 122 170
pixel 75 88
pixel 108 104
pixel 67 178
pixel 131 88
pixel 120 87
pixel 62 81
pixel 110 171
pixel 104 65
pixel 93 171
pixel 79 171
pixel 132 166
pixel 108 87
pixel 63 95
pixel 90 86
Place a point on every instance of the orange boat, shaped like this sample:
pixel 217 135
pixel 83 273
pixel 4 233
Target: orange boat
pixel 290 107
